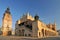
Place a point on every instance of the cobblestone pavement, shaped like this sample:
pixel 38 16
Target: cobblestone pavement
pixel 27 38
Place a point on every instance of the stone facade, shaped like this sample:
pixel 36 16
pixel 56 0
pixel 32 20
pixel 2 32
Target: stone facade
pixel 7 23
pixel 29 26
pixel 58 32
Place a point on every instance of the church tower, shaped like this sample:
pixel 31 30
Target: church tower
pixel 7 23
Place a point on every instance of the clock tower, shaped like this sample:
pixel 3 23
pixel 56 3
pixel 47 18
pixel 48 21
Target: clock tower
pixel 7 23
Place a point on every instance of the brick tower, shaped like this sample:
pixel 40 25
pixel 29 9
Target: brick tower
pixel 7 23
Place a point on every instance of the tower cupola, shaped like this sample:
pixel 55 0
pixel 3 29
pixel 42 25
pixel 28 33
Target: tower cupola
pixel 36 17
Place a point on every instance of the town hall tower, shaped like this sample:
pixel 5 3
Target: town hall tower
pixel 7 23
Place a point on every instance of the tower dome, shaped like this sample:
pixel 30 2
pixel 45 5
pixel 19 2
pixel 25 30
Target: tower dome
pixel 36 17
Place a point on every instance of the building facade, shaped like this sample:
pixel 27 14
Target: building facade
pixel 29 26
pixel 7 23
pixel 58 32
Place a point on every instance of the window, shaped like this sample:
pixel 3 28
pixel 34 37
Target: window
pixel 43 32
pixel 29 26
pixel 19 30
pixel 22 30
pixel 21 24
pixel 53 28
pixel 29 34
pixel 39 33
pixel 9 32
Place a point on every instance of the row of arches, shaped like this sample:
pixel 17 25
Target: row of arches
pixel 46 33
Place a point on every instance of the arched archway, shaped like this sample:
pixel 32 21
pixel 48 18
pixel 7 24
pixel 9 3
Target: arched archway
pixel 43 32
pixel 9 33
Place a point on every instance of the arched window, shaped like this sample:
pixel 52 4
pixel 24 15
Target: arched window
pixel 39 33
pixel 29 34
pixel 53 28
pixel 43 32
pixel 19 32
pixel 23 32
pixel 9 32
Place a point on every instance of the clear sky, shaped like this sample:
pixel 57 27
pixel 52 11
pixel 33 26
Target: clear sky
pixel 48 10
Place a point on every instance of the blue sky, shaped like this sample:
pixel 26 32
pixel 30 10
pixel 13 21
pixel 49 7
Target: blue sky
pixel 48 10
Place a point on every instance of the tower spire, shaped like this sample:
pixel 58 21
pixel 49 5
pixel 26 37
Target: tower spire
pixel 54 25
pixel 27 14
pixel 54 22
pixel 7 10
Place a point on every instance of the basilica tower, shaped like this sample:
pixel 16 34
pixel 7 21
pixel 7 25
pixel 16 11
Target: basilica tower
pixel 7 23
